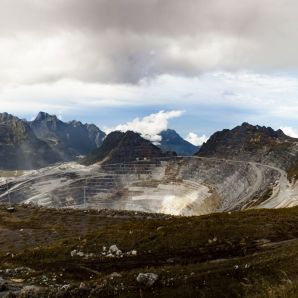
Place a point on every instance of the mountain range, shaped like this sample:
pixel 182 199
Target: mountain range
pixel 67 139
pixel 47 140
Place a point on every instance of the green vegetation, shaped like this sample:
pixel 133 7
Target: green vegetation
pixel 240 254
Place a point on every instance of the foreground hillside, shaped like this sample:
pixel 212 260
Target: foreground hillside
pixel 71 253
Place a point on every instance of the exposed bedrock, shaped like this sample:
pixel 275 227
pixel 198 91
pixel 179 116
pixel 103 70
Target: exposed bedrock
pixel 180 186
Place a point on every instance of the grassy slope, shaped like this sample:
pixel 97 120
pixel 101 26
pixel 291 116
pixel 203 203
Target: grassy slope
pixel 252 253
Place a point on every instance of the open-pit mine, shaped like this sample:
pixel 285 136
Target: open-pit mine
pixel 177 186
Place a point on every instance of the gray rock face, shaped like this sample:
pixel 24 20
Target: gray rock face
pixel 172 141
pixel 20 148
pixel 67 139
pixel 147 279
pixel 44 141
pixel 252 143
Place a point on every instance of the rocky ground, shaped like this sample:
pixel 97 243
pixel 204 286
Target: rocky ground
pixel 88 253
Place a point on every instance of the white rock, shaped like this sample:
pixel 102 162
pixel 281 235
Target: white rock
pixel 80 254
pixel 118 252
pixel 73 253
pixel 147 279
pixel 113 249
pixel 134 252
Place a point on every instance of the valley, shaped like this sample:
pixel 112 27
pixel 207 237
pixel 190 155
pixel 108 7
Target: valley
pixel 130 218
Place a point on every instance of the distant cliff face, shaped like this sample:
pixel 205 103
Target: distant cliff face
pixel 67 139
pixel 172 141
pixel 20 148
pixel 253 143
pixel 121 147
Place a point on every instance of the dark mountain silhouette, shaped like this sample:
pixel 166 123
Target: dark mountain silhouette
pixel 121 147
pixel 172 141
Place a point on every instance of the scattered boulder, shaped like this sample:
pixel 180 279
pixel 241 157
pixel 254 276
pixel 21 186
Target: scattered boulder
pixel 73 253
pixel 147 279
pixel 11 209
pixel 113 249
pixel 77 253
pixel 80 253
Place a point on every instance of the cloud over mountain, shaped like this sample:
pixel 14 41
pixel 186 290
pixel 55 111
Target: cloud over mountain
pixel 196 140
pixel 150 126
pixel 290 131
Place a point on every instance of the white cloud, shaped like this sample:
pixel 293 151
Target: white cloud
pixel 127 40
pixel 269 99
pixel 150 126
pixel 290 131
pixel 266 96
pixel 195 139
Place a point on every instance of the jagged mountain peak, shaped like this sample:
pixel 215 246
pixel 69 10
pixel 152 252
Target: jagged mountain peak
pixel 69 139
pixel 246 129
pixel 41 116
pixel 265 130
pixel 7 116
pixel 76 123
pixel 19 146
pixel 251 143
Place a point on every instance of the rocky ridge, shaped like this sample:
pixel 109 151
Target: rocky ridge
pixel 68 139
pixel 19 146
pixel 252 143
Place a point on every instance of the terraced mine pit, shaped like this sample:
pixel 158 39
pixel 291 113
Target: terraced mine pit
pixel 177 186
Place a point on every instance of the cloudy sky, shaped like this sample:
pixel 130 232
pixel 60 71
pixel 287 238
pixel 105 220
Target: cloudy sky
pixel 194 65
